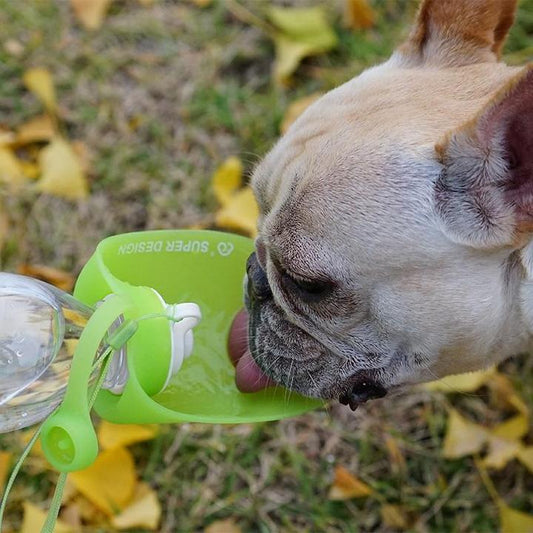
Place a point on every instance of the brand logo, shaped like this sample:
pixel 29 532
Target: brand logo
pixel 225 248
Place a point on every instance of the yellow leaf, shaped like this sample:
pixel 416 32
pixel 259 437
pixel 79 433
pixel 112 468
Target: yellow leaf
pixel 109 483
pixel 84 157
pixel 144 511
pixel 503 394
pixel 240 213
pixel 202 3
pixel 301 32
pixel 7 137
pixel 345 486
pixel 525 456
pixel 296 108
pixel 117 435
pixel 30 170
pixel 512 429
pixel 89 512
pixel 62 173
pixel 11 171
pixel 500 452
pixel 223 526
pixel 469 382
pixel 59 278
pixel 358 14
pixel 5 461
pixel 90 13
pixel 513 521
pixel 34 519
pixel 394 517
pixel 227 179
pixel 518 403
pixel 37 129
pixel 463 437
pixel 39 82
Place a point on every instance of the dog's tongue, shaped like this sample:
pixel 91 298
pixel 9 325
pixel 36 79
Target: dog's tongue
pixel 248 376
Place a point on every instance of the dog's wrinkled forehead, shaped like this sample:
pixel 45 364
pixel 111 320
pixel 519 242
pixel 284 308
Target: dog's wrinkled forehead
pixel 323 214
pixel 375 168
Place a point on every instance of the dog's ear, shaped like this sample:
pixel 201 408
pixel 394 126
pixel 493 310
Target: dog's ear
pixel 458 32
pixel 484 195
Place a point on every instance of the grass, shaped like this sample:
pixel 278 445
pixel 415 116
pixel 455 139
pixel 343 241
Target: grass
pixel 161 96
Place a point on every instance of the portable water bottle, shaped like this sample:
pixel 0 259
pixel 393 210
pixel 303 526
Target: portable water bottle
pixel 40 327
pixel 118 333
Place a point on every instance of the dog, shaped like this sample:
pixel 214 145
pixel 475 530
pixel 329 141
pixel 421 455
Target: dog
pixel 396 216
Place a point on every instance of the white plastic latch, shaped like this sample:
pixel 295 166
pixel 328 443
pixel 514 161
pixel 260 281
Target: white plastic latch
pixel 184 318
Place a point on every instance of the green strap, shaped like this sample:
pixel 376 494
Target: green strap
pixel 55 505
pixel 68 438
pixel 14 473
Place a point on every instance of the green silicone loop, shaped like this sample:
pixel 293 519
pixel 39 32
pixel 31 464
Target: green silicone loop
pixel 68 438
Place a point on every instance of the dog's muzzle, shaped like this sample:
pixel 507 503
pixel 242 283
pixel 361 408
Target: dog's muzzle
pixel 258 287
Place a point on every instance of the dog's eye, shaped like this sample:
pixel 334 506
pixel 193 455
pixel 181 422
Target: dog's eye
pixel 308 289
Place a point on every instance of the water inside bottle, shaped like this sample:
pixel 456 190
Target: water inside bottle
pixel 39 330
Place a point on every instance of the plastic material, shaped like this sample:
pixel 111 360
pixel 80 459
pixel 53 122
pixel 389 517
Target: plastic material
pixel 39 329
pixel 204 267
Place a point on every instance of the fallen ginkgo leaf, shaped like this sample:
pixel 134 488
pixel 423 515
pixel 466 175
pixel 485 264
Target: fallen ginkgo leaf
pixel 463 437
pixel 500 452
pixel 301 32
pixel 59 278
pixel 504 395
pixel 7 137
pixel 346 486
pixel 240 213
pixel 525 456
pixel 223 526
pixel 34 519
pixel 37 129
pixel 117 435
pixel 39 82
pixel 30 170
pixel 5 462
pixel 144 510
pixel 468 382
pixel 11 171
pixel 394 517
pixel 512 429
pixel 90 13
pixel 513 521
pixel 358 14
pixel 62 173
pixel 227 179
pixel 109 483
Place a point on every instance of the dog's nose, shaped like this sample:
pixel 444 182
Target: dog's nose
pixel 258 287
pixel 362 391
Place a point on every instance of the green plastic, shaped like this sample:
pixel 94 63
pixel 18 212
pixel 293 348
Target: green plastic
pixel 68 438
pixel 203 267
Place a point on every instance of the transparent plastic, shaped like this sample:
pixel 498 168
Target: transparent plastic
pixel 40 326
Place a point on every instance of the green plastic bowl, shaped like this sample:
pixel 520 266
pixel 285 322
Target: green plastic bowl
pixel 205 267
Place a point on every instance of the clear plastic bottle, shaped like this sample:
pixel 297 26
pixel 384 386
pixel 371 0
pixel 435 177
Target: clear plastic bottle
pixel 39 330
